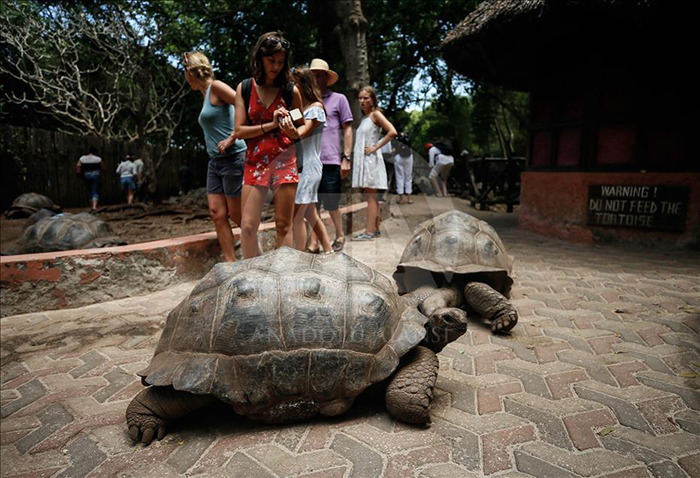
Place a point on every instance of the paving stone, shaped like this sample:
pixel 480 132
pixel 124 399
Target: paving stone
pixel 675 322
pixel 634 407
pixel 667 469
pixel 579 339
pixel 84 455
pixel 13 463
pixel 689 420
pixel 649 448
pixel 691 464
pixel 545 461
pixel 477 394
pixel 290 436
pixel 391 443
pixel 570 318
pixel 118 379
pixel 29 393
pixel 684 340
pixel 405 464
pixel 652 356
pixel 465 444
pixel 192 447
pixel 365 461
pixel 91 360
pixel 686 388
pixel 446 470
pixel 565 423
pixel 52 419
pixel 550 380
pixel 596 366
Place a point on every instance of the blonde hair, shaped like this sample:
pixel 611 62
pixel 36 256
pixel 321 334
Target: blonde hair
pixel 372 95
pixel 198 64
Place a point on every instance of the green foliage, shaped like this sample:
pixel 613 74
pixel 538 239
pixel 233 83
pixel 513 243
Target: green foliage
pixel 403 44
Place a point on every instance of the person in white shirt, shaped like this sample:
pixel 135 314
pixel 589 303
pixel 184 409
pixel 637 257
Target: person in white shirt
pixel 441 165
pixel 403 167
pixel 126 171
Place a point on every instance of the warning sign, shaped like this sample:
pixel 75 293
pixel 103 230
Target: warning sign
pixel 646 207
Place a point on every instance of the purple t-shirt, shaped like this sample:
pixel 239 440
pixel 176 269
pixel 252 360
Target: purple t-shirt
pixel 337 113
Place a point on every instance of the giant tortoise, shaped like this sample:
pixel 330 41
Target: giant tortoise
pixel 288 335
pixel 27 204
pixel 48 232
pixel 454 259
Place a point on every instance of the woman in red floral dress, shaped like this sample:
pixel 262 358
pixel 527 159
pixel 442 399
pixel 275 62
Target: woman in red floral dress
pixel 266 128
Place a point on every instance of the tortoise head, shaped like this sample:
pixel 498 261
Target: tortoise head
pixel 444 326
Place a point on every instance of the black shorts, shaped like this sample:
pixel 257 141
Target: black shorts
pixel 329 189
pixel 225 175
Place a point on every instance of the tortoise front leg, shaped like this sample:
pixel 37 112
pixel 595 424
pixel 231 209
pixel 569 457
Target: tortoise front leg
pixel 151 410
pixel 492 305
pixel 410 390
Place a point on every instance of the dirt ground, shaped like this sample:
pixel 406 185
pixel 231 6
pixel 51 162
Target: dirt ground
pixel 178 216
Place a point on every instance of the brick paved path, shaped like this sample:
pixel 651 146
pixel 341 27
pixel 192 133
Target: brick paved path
pixel 598 379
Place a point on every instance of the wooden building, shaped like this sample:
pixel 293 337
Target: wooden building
pixel 610 154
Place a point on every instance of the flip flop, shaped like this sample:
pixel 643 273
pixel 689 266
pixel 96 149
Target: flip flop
pixel 313 251
pixel 338 245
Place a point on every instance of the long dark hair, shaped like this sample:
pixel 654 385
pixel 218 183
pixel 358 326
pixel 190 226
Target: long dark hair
pixel 306 82
pixel 267 45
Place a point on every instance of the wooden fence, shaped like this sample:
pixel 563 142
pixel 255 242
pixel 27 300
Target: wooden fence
pixel 41 161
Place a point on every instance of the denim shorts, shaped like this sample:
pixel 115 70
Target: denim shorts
pixel 225 175
pixel 329 189
pixel 128 183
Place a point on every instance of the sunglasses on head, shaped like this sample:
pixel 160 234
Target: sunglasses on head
pixel 275 40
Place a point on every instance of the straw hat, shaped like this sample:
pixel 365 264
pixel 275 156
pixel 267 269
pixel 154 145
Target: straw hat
pixel 318 64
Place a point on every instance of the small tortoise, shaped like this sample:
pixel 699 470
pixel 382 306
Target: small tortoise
pixel 63 232
pixel 27 204
pixel 456 258
pixel 288 335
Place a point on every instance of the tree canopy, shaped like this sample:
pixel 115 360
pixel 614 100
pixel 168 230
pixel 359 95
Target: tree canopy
pixel 137 71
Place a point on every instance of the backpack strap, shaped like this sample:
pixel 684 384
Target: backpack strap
pixel 246 87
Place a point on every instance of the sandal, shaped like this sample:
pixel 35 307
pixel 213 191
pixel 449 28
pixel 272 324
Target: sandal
pixel 313 251
pixel 363 237
pixel 338 245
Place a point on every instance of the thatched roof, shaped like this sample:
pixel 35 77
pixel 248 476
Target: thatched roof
pixel 519 43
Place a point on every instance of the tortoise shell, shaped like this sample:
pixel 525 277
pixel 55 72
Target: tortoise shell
pixel 27 204
pixel 62 232
pixel 285 326
pixel 456 244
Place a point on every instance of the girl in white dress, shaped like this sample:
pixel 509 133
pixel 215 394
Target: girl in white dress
pixel 368 171
pixel 309 150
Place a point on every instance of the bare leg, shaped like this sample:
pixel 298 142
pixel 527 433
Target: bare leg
pixel 150 411
pixel 319 228
pixel 233 205
pixel 253 198
pixel 299 227
pixel 218 211
pixel 372 210
pixel 491 305
pixel 437 189
pixel 338 224
pixel 284 214
pixel 410 390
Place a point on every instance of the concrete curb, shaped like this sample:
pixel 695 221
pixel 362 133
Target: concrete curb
pixel 57 280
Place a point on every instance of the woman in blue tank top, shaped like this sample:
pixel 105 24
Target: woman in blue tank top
pixel 226 152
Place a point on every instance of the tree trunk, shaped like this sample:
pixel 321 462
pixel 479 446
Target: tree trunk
pixel 353 43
